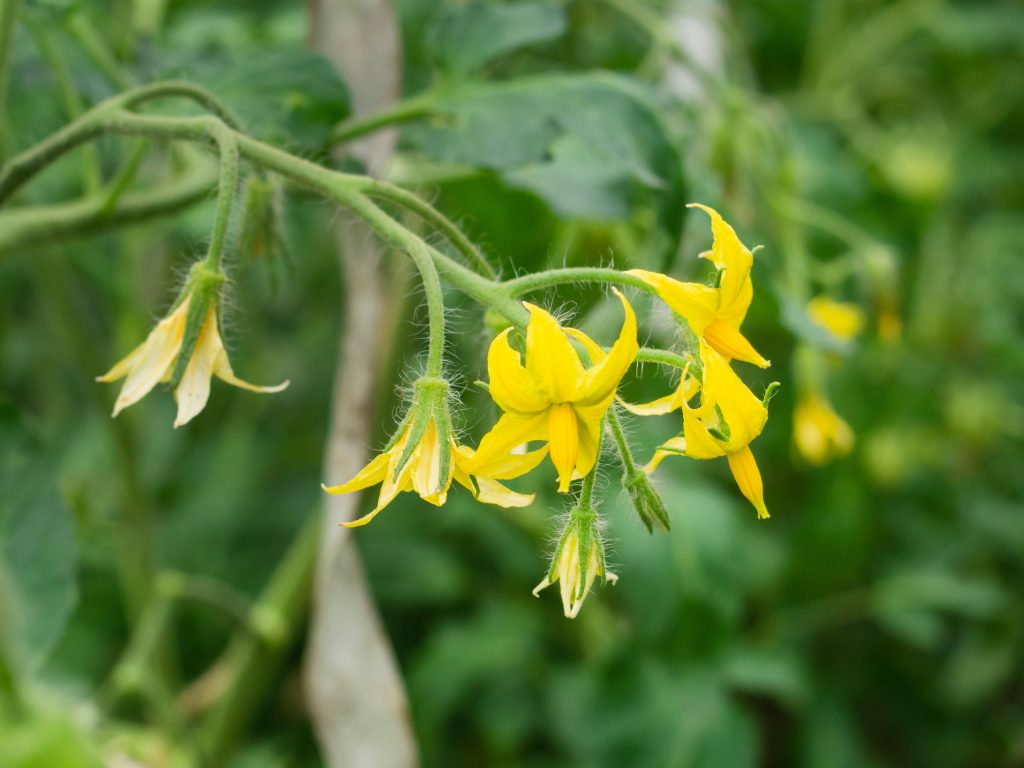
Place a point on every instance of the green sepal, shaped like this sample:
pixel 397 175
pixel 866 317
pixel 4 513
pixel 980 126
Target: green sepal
pixel 201 288
pixel 646 501
pixel 769 393
pixel 443 424
pixel 430 390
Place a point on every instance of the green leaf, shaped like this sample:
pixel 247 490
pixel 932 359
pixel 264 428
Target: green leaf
pixel 591 146
pixel 466 38
pixel 37 554
pixel 288 97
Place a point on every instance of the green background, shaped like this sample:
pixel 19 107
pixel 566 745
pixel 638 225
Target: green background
pixel 873 148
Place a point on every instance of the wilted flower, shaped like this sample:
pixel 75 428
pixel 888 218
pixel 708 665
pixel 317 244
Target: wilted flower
pixel 185 349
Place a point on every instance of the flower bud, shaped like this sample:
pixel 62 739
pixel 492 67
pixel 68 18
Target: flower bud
pixel 578 560
pixel 646 501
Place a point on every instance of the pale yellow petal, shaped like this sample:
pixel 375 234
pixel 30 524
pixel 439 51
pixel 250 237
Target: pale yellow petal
pixel 550 359
pixel 507 467
pixel 594 351
pixel 511 387
pixel 493 492
pixel 675 446
pixel 152 360
pixel 589 434
pixel 193 390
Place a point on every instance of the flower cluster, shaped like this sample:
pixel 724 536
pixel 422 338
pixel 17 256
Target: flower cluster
pixel 556 389
pixel 728 416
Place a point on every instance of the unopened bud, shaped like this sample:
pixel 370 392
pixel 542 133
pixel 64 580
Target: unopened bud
pixel 646 501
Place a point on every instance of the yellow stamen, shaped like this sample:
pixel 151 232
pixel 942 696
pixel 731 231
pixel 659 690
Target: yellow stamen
pixel 563 442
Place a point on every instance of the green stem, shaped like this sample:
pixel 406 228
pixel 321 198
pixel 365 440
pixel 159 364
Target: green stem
pixel 96 49
pixel 418 250
pixel 73 105
pixel 435 218
pixel 8 13
pixel 253 658
pixel 662 357
pixel 406 111
pixel 625 453
pixel 125 175
pixel 226 190
pixel 587 491
pixel 181 89
pixel 552 277
pixel 47 224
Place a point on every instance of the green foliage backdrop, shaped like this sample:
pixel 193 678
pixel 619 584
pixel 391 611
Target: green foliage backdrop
pixel 872 147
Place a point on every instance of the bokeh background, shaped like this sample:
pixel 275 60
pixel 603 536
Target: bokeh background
pixel 872 147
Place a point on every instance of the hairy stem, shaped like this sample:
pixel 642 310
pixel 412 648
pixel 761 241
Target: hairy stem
pixel 619 434
pixel 407 111
pixel 552 277
pixel 226 190
pixel 435 218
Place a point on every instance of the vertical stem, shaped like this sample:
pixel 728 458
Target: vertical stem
pixel 253 658
pixel 8 11
pixel 587 492
pixel 392 232
pixel 226 191
pixel 625 453
pixel 94 47
pixel 72 101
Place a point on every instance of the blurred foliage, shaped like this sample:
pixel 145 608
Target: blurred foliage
pixel 873 148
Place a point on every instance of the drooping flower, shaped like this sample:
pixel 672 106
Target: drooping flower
pixel 715 314
pixel 842 319
pixel 819 432
pixel 425 458
pixel 548 394
pixel 169 353
pixel 724 423
pixel 579 559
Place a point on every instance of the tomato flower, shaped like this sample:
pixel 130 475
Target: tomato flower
pixel 549 395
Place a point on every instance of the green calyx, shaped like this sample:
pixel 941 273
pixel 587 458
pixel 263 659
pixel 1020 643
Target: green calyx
pixel 202 290
pixel 430 404
pixel 646 501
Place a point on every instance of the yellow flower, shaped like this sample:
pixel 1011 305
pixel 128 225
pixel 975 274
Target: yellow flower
pixel 715 314
pixel 819 432
pixel 842 319
pixel 578 561
pixel 430 465
pixel 154 362
pixel 727 419
pixel 549 395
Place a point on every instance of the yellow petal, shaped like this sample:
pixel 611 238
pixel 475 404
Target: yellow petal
pixel 511 387
pixel 426 467
pixel 151 361
pixel 662 405
pixel 819 432
pixel 748 478
pixel 675 446
pixel 589 443
pixel 594 351
pixel 194 388
pixel 697 303
pixel 371 474
pixel 602 379
pixel 508 467
pixel 563 442
pixel 731 255
pixel 550 359
pixel 842 319
pixel 728 341
pixel 493 492
pixel 511 431
pixel 743 412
